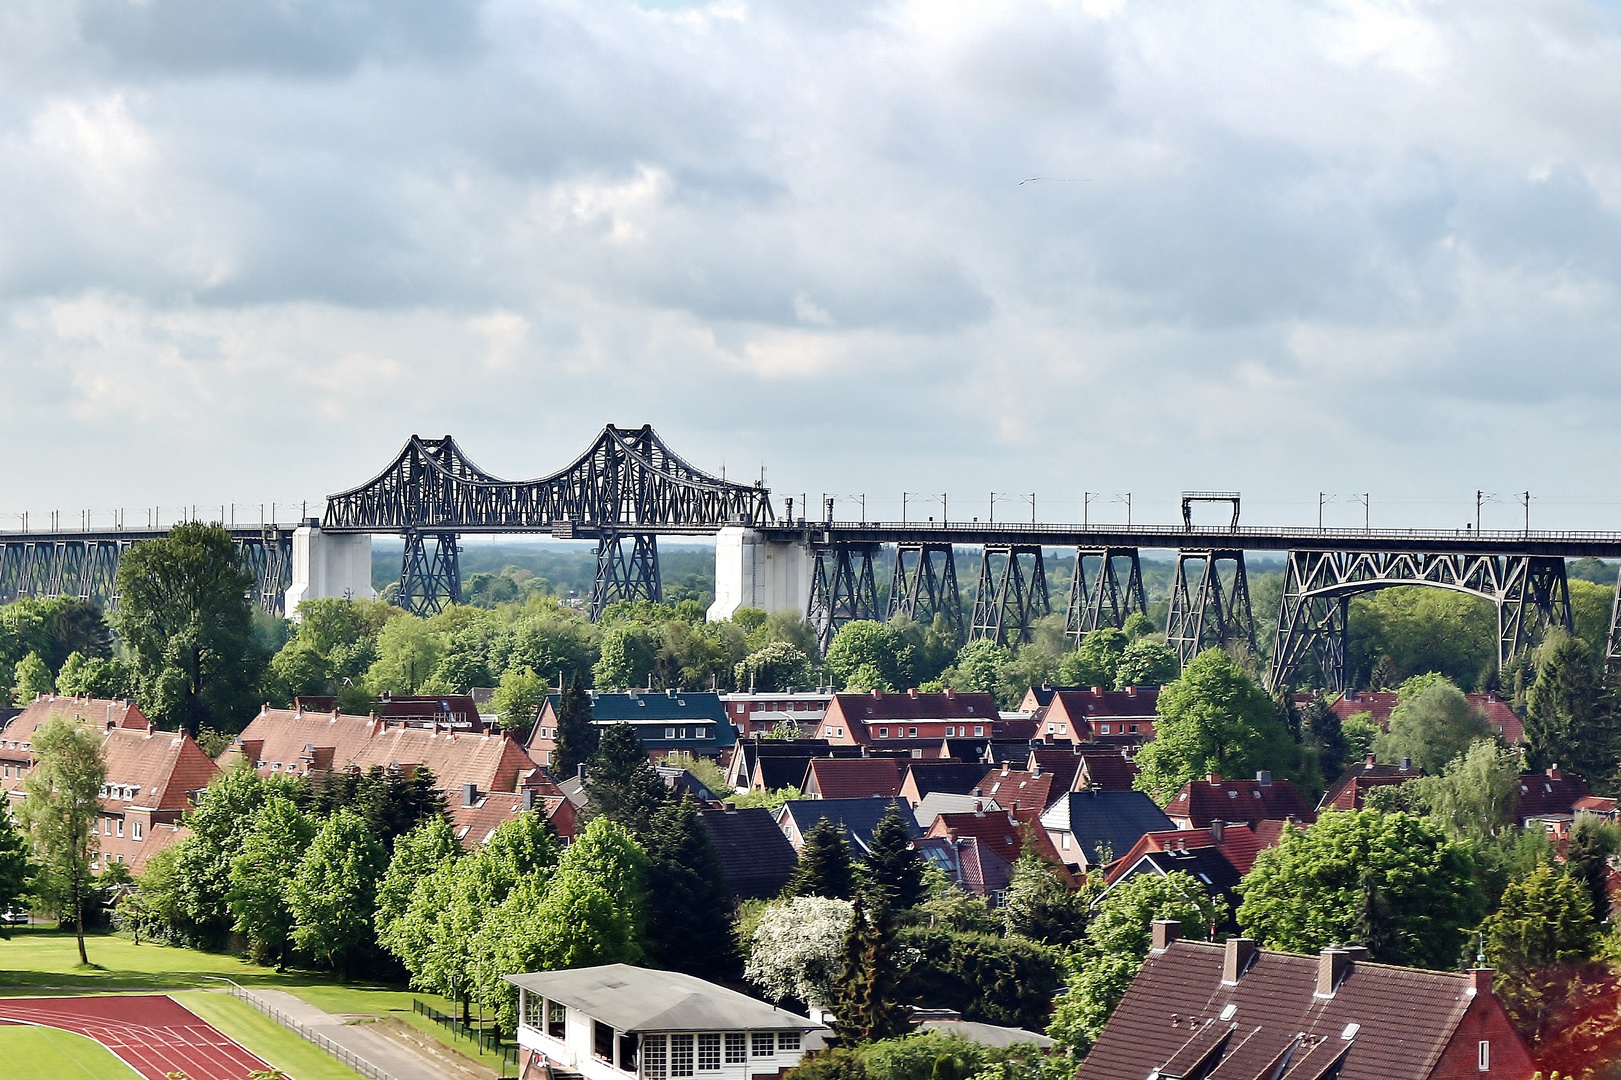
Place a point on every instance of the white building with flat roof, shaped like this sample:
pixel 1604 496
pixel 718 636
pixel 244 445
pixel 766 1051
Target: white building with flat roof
pixel 616 1021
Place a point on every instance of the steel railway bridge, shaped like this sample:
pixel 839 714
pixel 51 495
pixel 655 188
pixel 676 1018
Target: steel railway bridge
pixel 629 488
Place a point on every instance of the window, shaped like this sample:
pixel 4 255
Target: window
pixel 602 1040
pixel 950 731
pixel 669 733
pixel 979 731
pixel 120 826
pixel 1051 729
pixel 1064 840
pixel 883 733
pixel 737 1048
pixel 911 733
pixel 1063 729
pixel 556 1019
pixel 534 1011
pixel 787 1041
pixel 627 1053
pixel 765 1044
pixel 1485 1056
pixel 653 1057
pixel 136 827
pixel 680 1055
pixel 106 826
pixel 1134 729
pixel 708 1053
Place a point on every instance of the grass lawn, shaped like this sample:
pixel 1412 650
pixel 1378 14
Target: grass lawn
pixel 60 1055
pixel 265 1037
pixel 37 960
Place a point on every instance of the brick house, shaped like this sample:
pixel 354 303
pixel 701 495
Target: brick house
pixel 1235 1011
pixel 1025 789
pixel 763 713
pixel 1379 704
pixel 475 815
pixel 1238 844
pixel 1213 799
pixel 924 778
pixel 669 722
pixel 1086 713
pixel 1350 791
pixel 1548 794
pixel 877 717
pixel 851 778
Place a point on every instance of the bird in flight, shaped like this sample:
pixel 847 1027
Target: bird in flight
pixel 1056 180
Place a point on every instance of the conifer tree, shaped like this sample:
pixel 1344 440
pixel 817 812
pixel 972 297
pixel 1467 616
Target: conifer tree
pixel 825 867
pixel 576 736
pixel 1592 842
pixel 1564 721
pixel 621 785
pixel 689 927
pixel 892 872
pixel 868 1007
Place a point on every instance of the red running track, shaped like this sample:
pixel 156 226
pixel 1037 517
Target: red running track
pixel 154 1034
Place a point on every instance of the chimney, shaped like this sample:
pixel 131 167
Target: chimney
pixel 912 692
pixel 1165 932
pixel 1480 981
pixel 1097 690
pixel 979 809
pixel 1218 830
pixel 1240 950
pixel 1214 778
pixel 877 693
pixel 1367 762
pixel 529 798
pixel 469 794
pixel 1406 763
pixel 1357 952
pixel 1131 691
pixel 1264 778
pixel 1553 771
pixel 1331 965
pixel 1035 771
pixel 976 793
pixel 670 692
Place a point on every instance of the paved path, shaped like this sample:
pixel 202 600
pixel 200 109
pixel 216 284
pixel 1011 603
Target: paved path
pixel 399 1061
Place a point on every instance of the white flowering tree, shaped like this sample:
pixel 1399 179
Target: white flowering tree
pixel 795 953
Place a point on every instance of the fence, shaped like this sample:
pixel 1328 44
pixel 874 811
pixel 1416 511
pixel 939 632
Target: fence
pixel 355 1062
pixel 487 1041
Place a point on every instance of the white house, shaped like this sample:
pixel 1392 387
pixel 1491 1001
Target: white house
pixel 618 1021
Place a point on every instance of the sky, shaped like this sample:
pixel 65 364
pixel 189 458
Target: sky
pixel 1307 251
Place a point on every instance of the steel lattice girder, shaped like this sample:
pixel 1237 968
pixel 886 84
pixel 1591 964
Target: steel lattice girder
pixel 1213 613
pixel 918 591
pixel 1103 602
pixel 430 574
pixel 628 478
pixel 619 578
pixel 843 588
pixel 1519 586
pixel 1002 602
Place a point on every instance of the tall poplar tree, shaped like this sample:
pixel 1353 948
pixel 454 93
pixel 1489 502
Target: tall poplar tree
pixel 62 808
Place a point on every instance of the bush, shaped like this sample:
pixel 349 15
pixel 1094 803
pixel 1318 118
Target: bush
pixel 835 1064
pixel 985 977
pixel 925 1055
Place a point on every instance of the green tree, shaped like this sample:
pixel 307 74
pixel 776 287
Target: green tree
pixel 1096 660
pixel 1477 793
pixel 33 679
pixel 1213 719
pixel 1421 629
pixel 1564 722
pixel 891 873
pixel 1592 842
pixel 621 784
pixel 1102 966
pixel 627 656
pixel 1138 626
pixel 980 666
pixel 92 676
pixel 1319 887
pixel 518 699
pixel 1039 905
pixel 417 854
pixel 795 948
pixel 16 867
pixel 1320 729
pixel 825 867
pixel 871 653
pixel 1541 931
pixel 576 736
pixel 1432 723
pixel 1145 662
pixel 868 1005
pixel 408 650
pixel 333 895
pixel 694 904
pixel 187 628
pixel 774 667
pixel 61 811
pixel 261 875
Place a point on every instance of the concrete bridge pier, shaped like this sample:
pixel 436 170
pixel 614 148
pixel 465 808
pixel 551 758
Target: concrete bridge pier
pixel 751 571
pixel 329 564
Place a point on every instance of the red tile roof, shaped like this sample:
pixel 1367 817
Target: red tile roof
pixel 1379 705
pixel 1238 843
pixel 999 831
pixel 852 778
pixel 1019 789
pixel 475 824
pixel 1214 799
pixel 1181 1016
pixel 1353 786
pixel 159 769
pixel 1551 792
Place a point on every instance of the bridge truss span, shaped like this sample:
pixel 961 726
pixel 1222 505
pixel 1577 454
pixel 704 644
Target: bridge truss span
pixel 1530 593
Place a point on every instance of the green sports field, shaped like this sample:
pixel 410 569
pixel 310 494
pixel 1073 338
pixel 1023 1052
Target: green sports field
pixel 30 1053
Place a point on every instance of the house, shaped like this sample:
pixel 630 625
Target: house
pixel 283 742
pixel 1084 713
pixel 1238 844
pixel 1005 832
pixel 1213 799
pixel 923 778
pixel 153 777
pixel 757 857
pixel 1207 865
pixel 757 764
pixel 1350 791
pixel 475 815
pixel 1597 805
pixel 875 717
pixel 994 1035
pixel 1089 828
pixel 936 803
pixel 1019 789
pixel 851 778
pixel 1548 793
pixel 447 710
pixel 1378 706
pixel 973 867
pixel 858 818
pixel 667 722
pixel 767 713
pixel 616 1021
pixel 1236 1011
pixel 1085 765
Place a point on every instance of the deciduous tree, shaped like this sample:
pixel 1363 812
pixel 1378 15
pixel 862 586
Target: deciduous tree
pixel 16 867
pixel 795 951
pixel 61 812
pixel 333 895
pixel 1096 660
pixel 775 667
pixel 869 652
pixel 518 699
pixel 1432 724
pixel 1145 662
pixel 275 843
pixel 417 854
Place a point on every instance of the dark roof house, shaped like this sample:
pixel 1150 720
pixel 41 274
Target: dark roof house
pixel 1213 799
pixel 757 857
pixel 858 817
pixel 1090 828
pixel 851 778
pixel 947 777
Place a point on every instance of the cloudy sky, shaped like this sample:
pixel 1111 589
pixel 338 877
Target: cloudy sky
pixel 248 247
